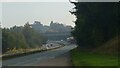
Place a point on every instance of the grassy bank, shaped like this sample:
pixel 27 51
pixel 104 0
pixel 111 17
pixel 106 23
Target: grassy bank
pixel 20 52
pixel 80 58
pixel 23 52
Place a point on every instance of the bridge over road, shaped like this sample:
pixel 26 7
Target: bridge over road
pixel 57 35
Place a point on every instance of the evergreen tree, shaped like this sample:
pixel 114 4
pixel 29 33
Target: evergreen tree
pixel 96 23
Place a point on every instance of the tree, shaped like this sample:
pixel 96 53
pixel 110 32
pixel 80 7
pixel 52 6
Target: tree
pixel 21 38
pixel 96 23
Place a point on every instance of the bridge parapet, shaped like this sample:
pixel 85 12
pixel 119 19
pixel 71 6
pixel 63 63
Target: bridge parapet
pixel 57 35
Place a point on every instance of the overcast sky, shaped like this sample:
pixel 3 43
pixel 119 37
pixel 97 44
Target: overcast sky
pixel 0 8
pixel 18 12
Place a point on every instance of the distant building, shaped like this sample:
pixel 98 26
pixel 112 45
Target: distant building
pixel 60 27
pixel 54 27
pixel 55 31
pixel 38 26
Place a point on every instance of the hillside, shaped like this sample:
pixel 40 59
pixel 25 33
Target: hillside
pixel 105 55
pixel 110 47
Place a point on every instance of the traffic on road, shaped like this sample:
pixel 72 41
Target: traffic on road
pixel 34 59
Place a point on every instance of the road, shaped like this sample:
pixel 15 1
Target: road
pixel 47 58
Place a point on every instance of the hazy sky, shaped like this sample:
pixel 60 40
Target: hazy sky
pixel 0 12
pixel 98 0
pixel 18 13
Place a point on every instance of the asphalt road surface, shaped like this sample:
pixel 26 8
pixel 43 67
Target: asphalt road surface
pixel 56 57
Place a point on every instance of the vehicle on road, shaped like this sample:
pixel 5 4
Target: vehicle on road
pixel 51 46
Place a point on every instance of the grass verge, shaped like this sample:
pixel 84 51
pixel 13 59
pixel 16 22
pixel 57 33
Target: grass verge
pixel 82 58
pixel 21 52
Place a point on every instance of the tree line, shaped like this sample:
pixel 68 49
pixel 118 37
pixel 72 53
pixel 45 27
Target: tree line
pixel 96 23
pixel 21 37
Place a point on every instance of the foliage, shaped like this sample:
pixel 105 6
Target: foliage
pixel 96 22
pixel 21 38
